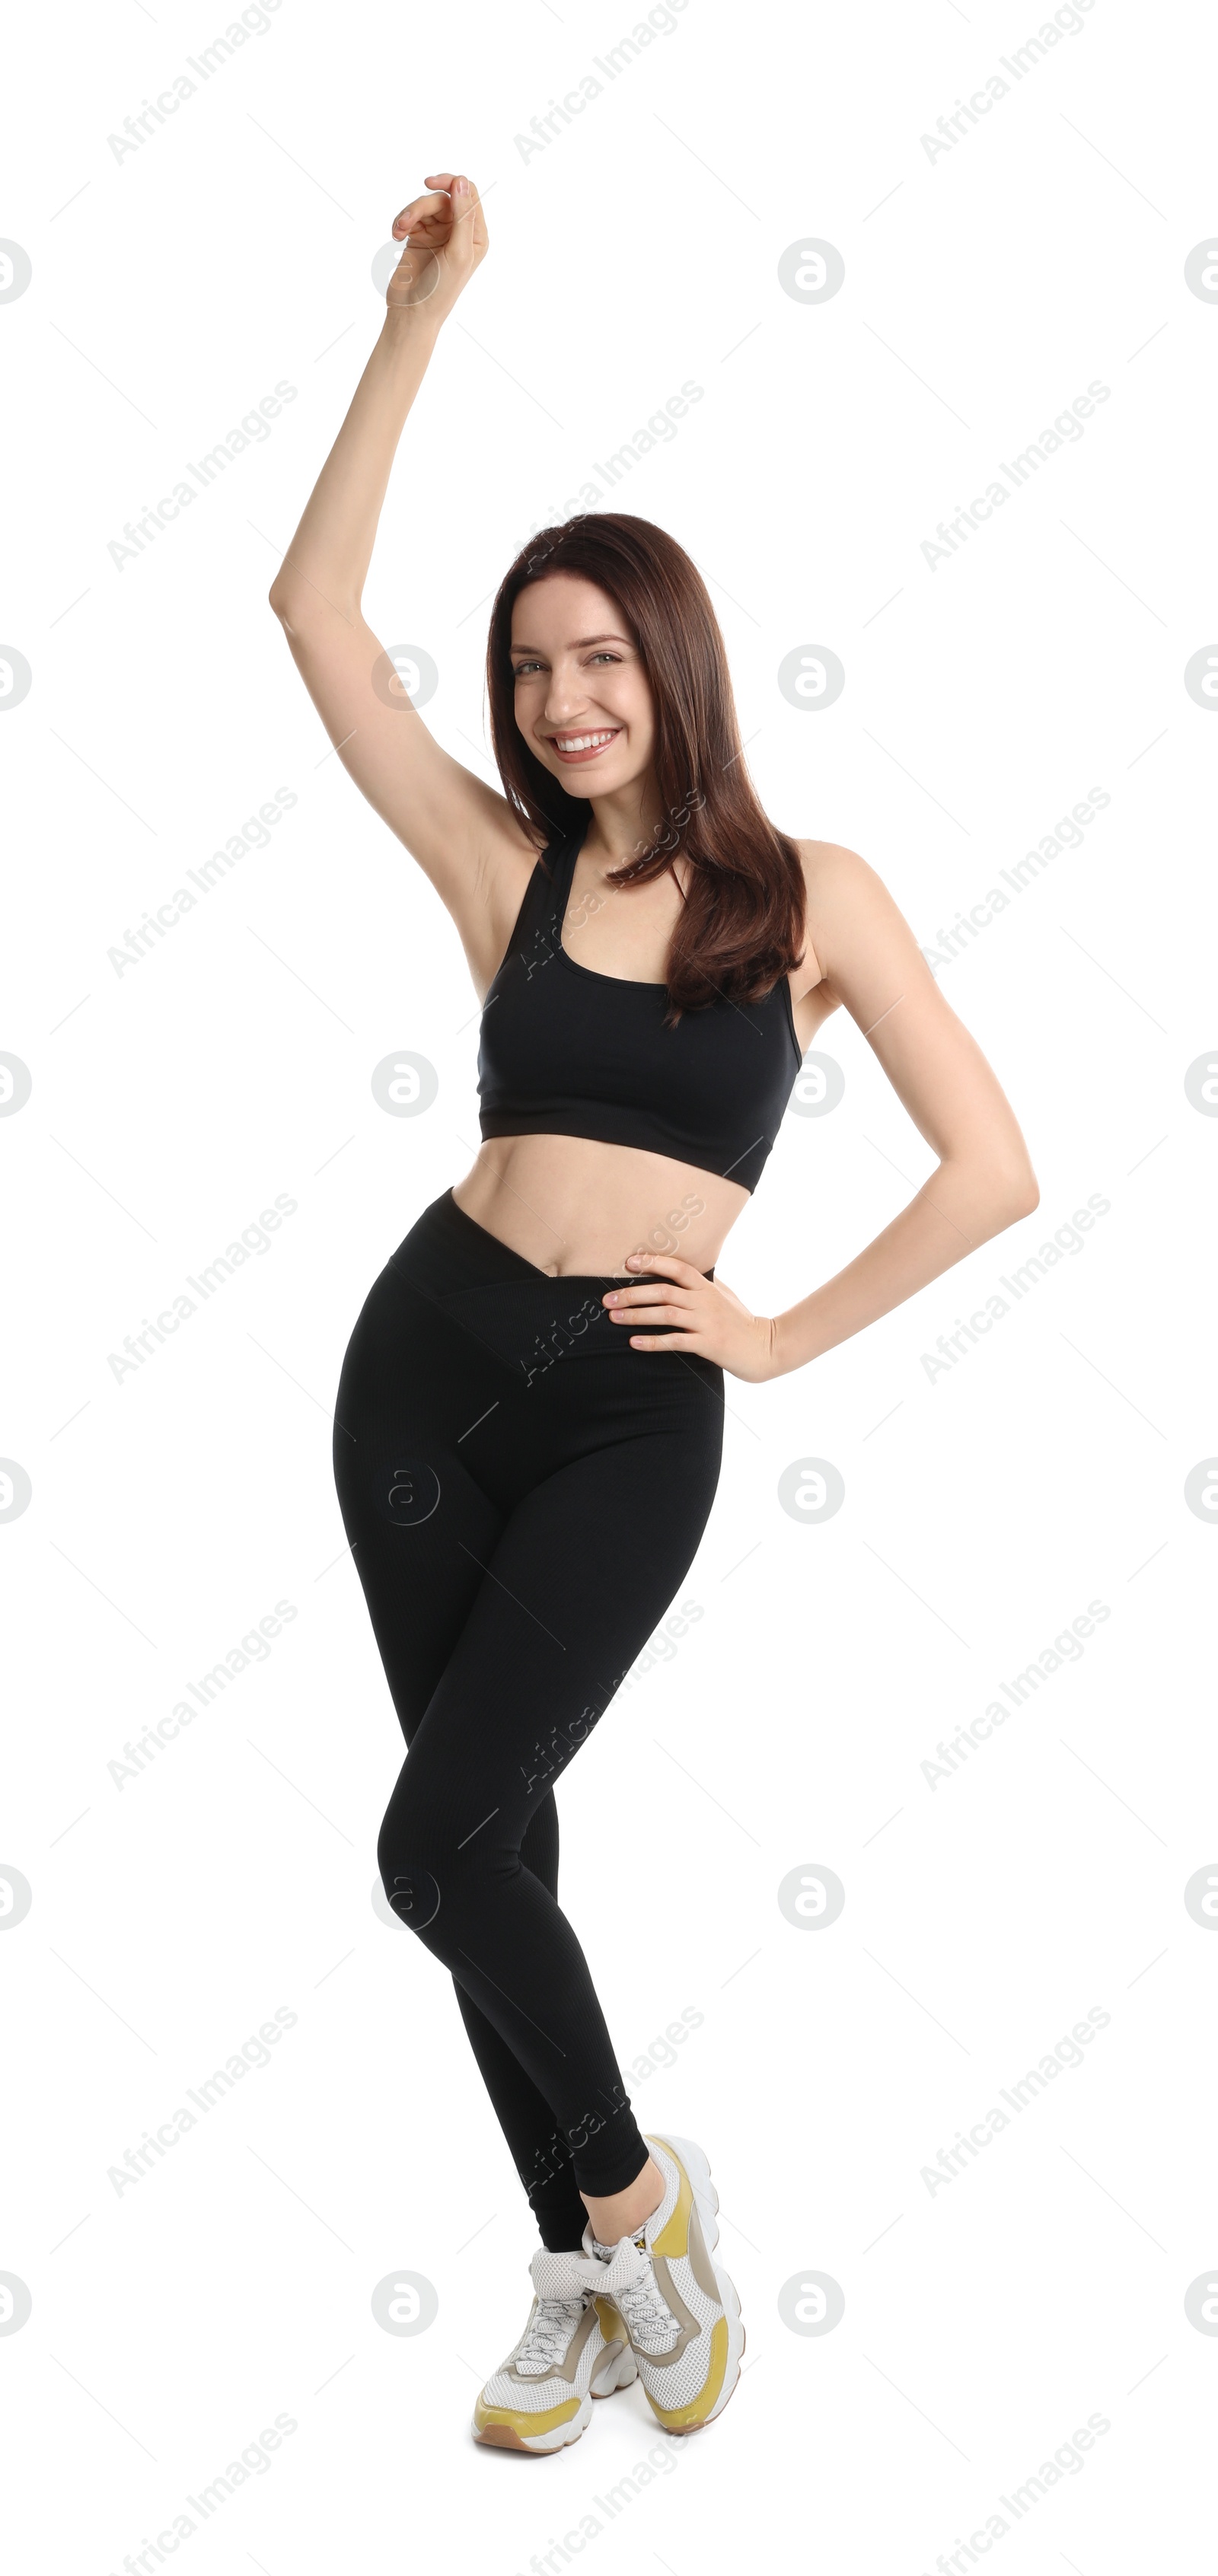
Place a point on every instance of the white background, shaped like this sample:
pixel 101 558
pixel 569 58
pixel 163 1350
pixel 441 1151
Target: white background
pixel 984 1508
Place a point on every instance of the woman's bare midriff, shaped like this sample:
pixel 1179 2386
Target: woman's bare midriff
pixel 571 1205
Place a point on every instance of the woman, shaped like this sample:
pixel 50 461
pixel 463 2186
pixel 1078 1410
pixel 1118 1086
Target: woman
pixel 529 1418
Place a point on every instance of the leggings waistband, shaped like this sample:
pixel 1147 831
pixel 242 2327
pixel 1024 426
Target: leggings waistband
pixel 481 1254
pixel 519 1311
pixel 447 1235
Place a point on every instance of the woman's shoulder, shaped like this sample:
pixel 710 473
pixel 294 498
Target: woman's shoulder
pixel 837 882
pixel 829 865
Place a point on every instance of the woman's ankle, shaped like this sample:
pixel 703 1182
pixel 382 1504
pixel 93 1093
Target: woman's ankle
pixel 622 2213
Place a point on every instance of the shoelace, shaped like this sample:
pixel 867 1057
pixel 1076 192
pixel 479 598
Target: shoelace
pixel 650 2322
pixel 627 2278
pixel 548 2334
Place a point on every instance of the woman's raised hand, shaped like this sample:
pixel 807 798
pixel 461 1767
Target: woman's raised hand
pixel 445 240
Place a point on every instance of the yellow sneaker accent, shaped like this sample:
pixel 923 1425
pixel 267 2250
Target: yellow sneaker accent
pixel 700 2297
pixel 687 2419
pixel 522 2423
pixel 674 2235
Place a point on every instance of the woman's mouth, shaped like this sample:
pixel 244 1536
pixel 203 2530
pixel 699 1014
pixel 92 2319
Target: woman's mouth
pixel 584 746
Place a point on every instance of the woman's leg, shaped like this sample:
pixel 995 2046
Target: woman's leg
pixel 507 1603
pixel 419 1599
pixel 584 1567
pixel 539 2150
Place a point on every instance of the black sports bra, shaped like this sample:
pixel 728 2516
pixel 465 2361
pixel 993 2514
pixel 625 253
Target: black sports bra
pixel 567 1052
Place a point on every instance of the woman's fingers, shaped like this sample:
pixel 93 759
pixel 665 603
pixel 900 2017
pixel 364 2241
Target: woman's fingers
pixel 443 185
pixel 640 1292
pixel 683 1272
pixel 421 206
pixel 466 240
pixel 650 1311
pixel 656 1292
pixel 453 218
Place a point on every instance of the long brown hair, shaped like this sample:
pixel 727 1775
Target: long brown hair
pixel 741 924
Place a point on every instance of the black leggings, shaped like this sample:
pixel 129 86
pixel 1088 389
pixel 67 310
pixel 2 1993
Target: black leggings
pixel 523 1494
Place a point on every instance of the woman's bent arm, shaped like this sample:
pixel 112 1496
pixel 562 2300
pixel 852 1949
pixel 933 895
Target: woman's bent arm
pixel 954 1211
pixel 984 1181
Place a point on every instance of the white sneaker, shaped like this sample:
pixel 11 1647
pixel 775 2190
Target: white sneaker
pixel 679 2309
pixel 574 2348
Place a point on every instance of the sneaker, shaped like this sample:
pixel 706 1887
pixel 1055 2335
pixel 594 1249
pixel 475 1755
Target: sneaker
pixel 679 2310
pixel 574 2348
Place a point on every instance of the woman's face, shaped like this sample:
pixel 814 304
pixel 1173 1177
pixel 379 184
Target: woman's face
pixel 583 702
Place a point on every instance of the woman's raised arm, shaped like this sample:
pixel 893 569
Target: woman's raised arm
pixel 461 831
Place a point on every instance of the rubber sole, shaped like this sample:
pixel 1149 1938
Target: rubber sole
pixel 504 2437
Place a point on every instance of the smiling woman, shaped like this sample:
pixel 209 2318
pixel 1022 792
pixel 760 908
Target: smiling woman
pixel 666 1033
pixel 641 707
pixel 523 1396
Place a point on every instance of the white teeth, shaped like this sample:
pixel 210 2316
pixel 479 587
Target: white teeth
pixel 582 741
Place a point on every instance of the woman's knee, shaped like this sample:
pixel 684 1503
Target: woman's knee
pixel 413 1893
pixel 436 1890
pixel 408 1864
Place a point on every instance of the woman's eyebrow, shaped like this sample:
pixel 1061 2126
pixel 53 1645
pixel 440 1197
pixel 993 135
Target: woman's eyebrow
pixel 579 645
